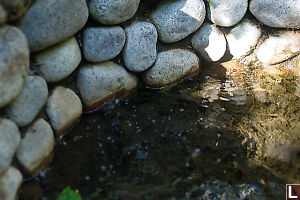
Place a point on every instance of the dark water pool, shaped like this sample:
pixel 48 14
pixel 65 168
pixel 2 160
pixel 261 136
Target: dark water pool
pixel 187 141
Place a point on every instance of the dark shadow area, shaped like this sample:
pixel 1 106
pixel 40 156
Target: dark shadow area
pixel 158 144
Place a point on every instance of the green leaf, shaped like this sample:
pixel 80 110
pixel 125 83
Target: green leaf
pixel 68 194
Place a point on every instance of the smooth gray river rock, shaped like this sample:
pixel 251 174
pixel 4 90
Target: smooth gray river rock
pixel 10 182
pixel 279 47
pixel 59 61
pixel 139 52
pixel 36 147
pixel 175 20
pixel 63 109
pixel 277 13
pixel 9 141
pixel 28 104
pixel 226 12
pixel 14 63
pixel 243 38
pixel 209 42
pixel 171 66
pixel 113 11
pixel 49 22
pixel 103 43
pixel 101 81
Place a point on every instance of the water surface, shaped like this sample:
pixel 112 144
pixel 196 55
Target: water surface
pixel 221 135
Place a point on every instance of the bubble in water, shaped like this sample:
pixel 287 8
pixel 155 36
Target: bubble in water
pixel 188 195
pixel 64 143
pixel 140 155
pixel 103 168
pixel 101 179
pixel 196 153
pixel 131 148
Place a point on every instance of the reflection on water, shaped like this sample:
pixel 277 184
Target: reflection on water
pixel 233 134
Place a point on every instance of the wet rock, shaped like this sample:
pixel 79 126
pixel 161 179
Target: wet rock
pixel 3 15
pixel 14 63
pixel 277 13
pixel 49 22
pixel 239 96
pixel 59 61
pixel 216 189
pixel 139 52
pixel 9 142
pixel 236 95
pixel 98 82
pixel 243 38
pixel 176 20
pixel 281 149
pixel 279 47
pixel 36 147
pixel 113 11
pixel 226 12
pixel 210 91
pixel 210 42
pixel 15 8
pixel 171 66
pixel 10 182
pixel 27 105
pixel 63 108
pixel 103 43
